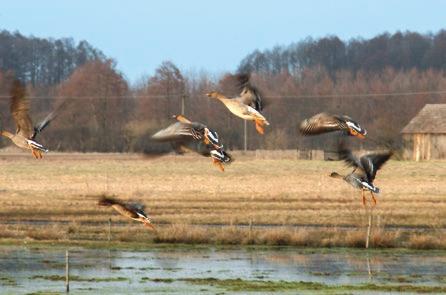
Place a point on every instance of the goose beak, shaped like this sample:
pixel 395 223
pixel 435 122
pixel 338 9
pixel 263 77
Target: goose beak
pixel 356 133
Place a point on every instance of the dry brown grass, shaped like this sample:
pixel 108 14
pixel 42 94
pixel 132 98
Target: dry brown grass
pixel 62 190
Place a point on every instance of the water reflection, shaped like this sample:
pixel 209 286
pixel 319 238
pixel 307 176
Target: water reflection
pixel 137 269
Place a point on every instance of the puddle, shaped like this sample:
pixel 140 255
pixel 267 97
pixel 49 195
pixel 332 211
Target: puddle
pixel 161 270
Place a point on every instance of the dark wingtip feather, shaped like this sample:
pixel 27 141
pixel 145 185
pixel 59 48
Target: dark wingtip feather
pixel 107 201
pixel 243 79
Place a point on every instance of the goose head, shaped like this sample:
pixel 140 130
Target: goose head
pixel 354 129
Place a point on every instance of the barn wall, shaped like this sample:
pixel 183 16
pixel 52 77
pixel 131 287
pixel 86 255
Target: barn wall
pixel 407 147
pixel 421 147
pixel 438 146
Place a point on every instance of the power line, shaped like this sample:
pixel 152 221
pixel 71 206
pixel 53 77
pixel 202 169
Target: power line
pixel 179 95
pixel 362 94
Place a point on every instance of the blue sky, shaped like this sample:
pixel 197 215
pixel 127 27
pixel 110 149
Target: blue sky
pixel 210 35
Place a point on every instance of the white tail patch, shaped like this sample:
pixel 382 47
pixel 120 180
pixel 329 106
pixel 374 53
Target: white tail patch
pixel 37 145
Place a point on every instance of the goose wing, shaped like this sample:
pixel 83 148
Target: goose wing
pixel 252 97
pixel 351 160
pixel 46 121
pixel 20 110
pixel 321 123
pixel 178 132
pixel 249 94
pixel 371 163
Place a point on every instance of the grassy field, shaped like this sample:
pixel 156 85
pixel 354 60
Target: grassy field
pixel 288 202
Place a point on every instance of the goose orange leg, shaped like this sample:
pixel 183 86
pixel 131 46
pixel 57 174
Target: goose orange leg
pixel 218 164
pixel 36 153
pixel 259 126
pixel 149 225
pixel 373 198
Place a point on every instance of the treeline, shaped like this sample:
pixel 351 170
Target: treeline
pixel 400 51
pixel 103 113
pixel 43 61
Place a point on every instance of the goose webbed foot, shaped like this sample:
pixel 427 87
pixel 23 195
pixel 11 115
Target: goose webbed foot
pixel 219 165
pixel 37 154
pixel 259 127
pixel 149 225
pixel 34 153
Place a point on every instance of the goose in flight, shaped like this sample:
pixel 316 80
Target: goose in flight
pixel 324 123
pixel 185 135
pixel 247 105
pixel 365 169
pixel 26 133
pixel 134 211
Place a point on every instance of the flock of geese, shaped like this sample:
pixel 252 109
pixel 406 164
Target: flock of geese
pixel 185 135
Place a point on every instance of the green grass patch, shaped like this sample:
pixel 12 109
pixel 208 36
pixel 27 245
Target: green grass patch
pixel 156 280
pixel 237 285
pixel 78 279
pixel 44 293
pixel 4 281
pixel 137 246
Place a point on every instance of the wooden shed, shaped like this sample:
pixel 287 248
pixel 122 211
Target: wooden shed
pixel 424 138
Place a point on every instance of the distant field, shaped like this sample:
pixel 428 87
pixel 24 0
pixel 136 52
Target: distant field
pixel 55 199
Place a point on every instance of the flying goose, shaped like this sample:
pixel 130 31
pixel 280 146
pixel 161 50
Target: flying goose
pixel 365 169
pixel 185 135
pixel 25 134
pixel 247 105
pixel 133 211
pixel 323 123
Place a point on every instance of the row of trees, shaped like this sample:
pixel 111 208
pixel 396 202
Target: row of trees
pixel 101 112
pixel 43 62
pixel 401 51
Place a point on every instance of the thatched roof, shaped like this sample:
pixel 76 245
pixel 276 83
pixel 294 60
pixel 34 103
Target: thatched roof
pixel 431 119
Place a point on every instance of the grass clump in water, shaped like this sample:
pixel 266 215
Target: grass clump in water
pixel 269 286
pixel 78 279
pixel 156 280
pixel 4 281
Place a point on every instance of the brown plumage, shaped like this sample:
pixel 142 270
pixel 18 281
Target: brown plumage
pixel 185 135
pixel 324 123
pixel 25 134
pixel 365 169
pixel 133 211
pixel 247 105
pixel 19 110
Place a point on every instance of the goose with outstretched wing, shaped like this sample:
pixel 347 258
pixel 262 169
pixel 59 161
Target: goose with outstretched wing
pixel 134 211
pixel 25 135
pixel 185 135
pixel 324 123
pixel 365 169
pixel 247 105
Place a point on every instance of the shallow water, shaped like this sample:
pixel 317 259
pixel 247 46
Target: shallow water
pixel 141 271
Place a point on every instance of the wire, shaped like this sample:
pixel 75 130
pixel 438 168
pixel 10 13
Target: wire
pixel 363 94
pixel 178 95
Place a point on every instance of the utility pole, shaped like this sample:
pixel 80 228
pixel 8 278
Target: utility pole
pixel 183 100
pixel 245 146
pixel 67 272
